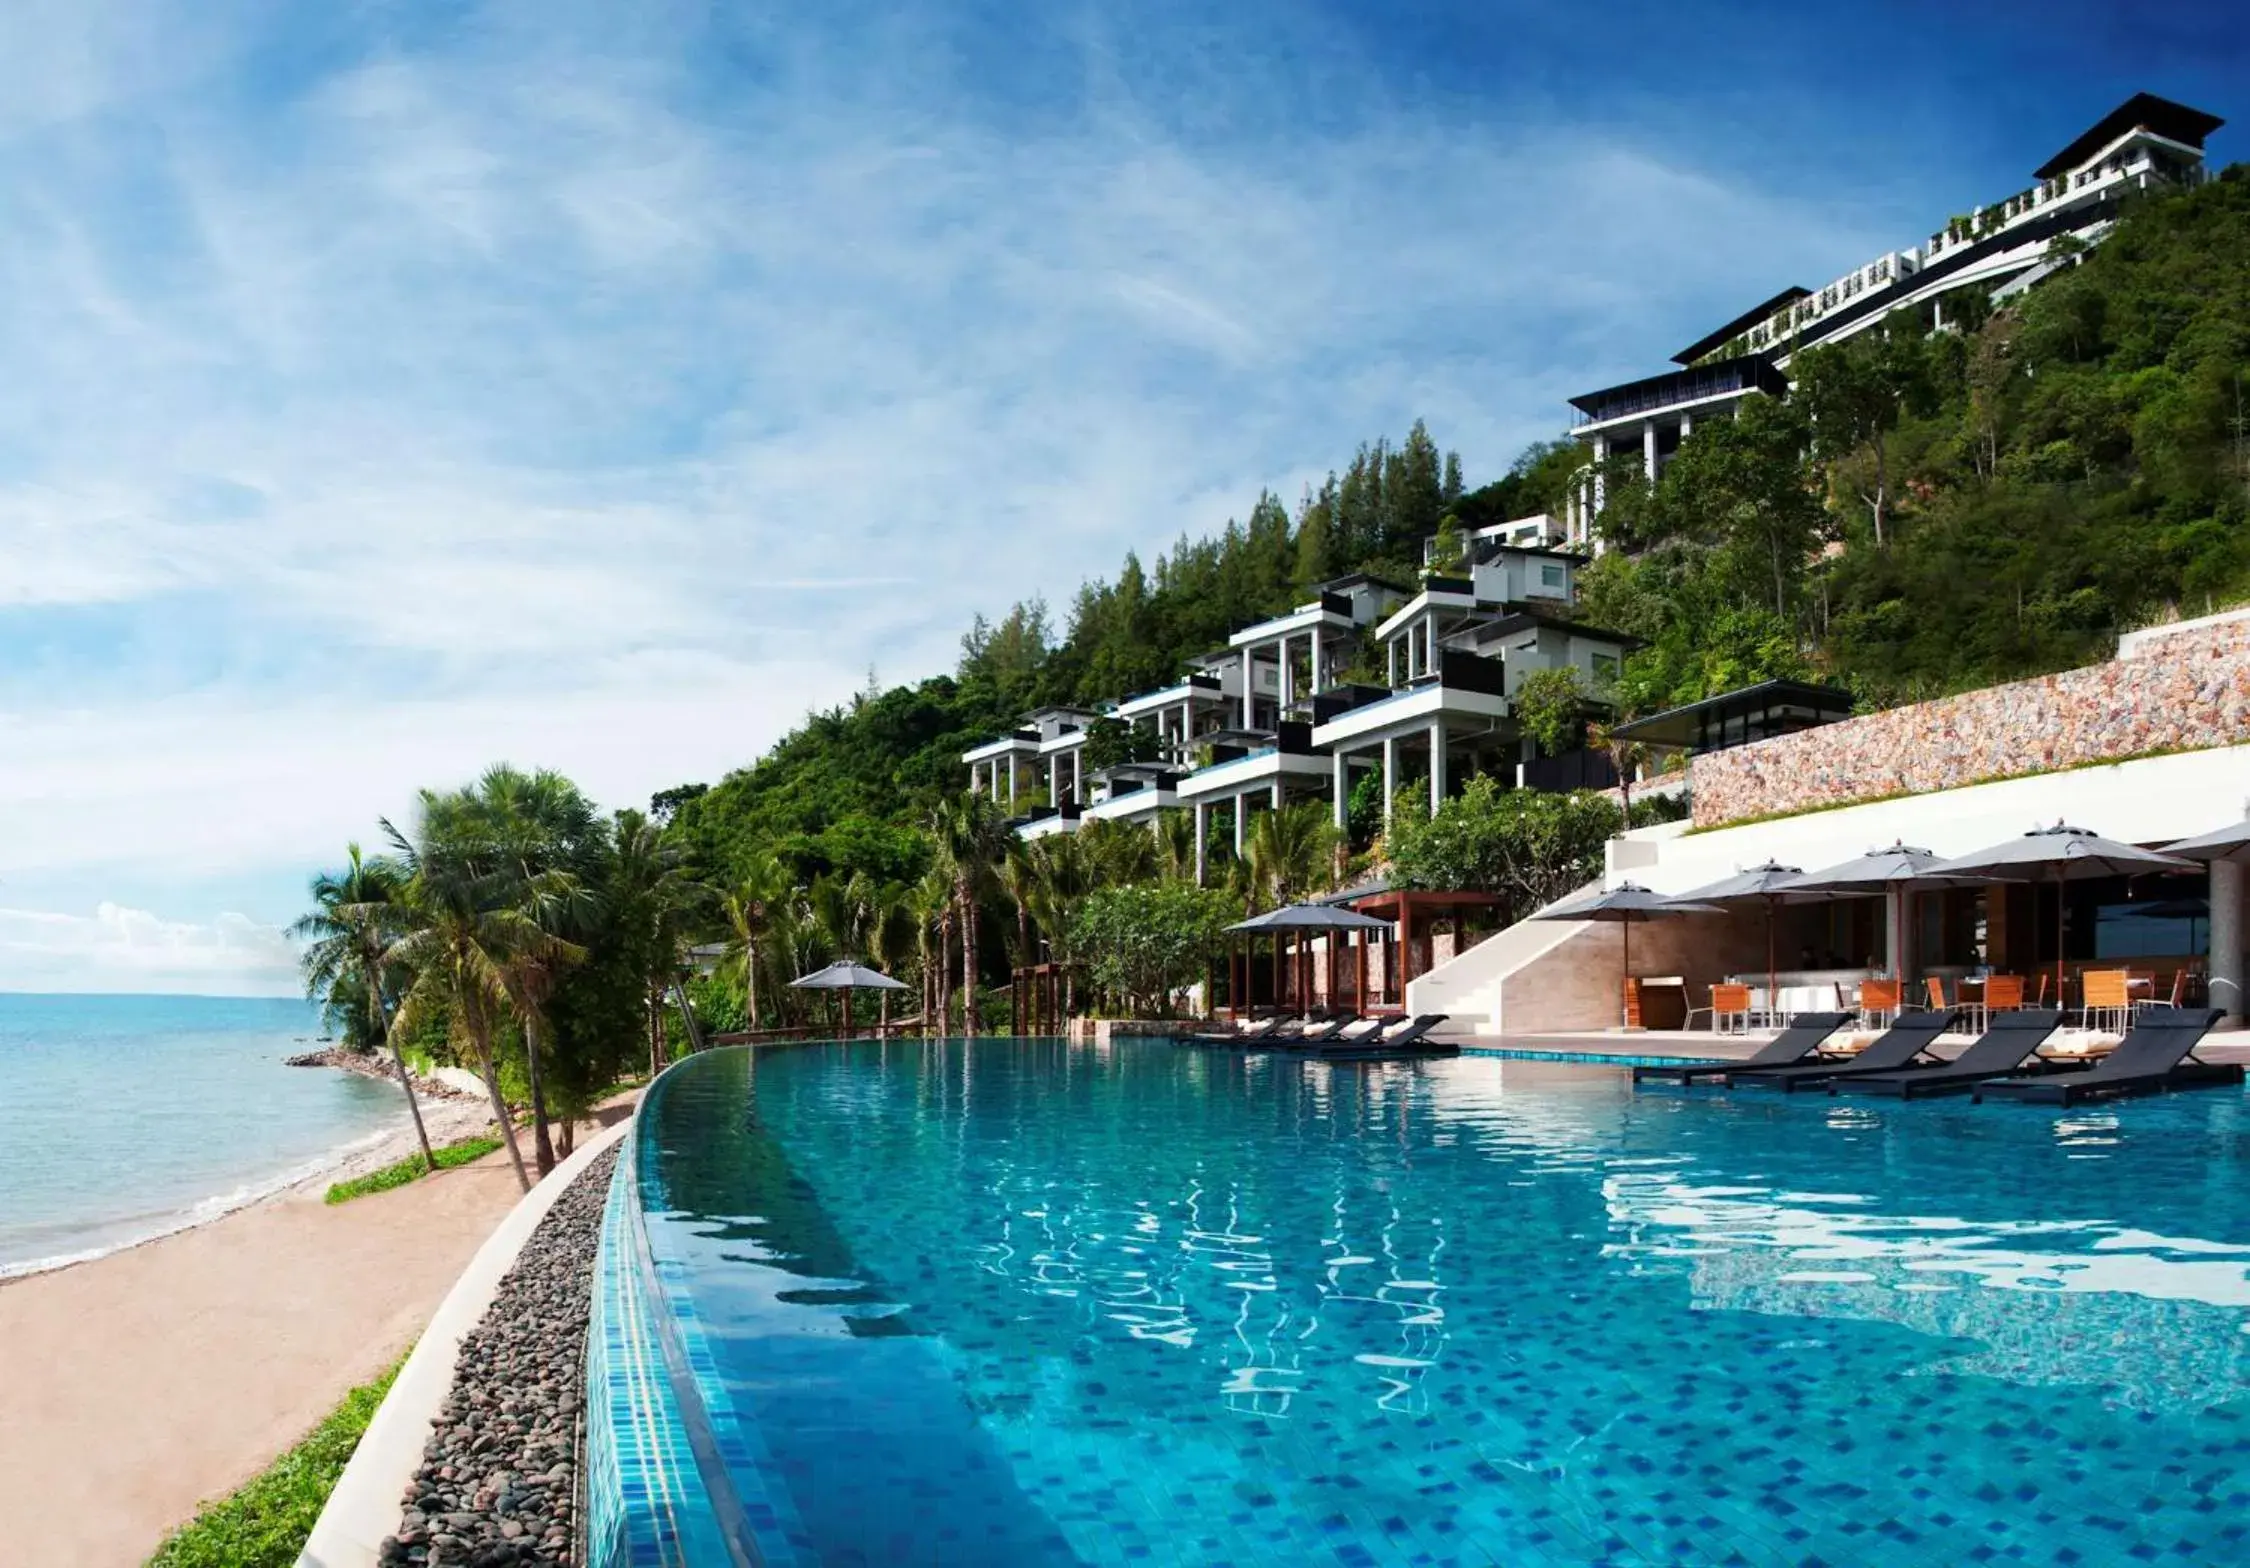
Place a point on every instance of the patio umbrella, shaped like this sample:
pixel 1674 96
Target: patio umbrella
pixel 2059 854
pixel 1626 905
pixel 2231 842
pixel 1767 885
pixel 1894 873
pixel 1306 918
pixel 1311 917
pixel 845 976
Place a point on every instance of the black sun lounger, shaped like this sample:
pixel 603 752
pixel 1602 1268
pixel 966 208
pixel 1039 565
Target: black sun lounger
pixel 1394 1039
pixel 2010 1046
pixel 1793 1044
pixel 2156 1055
pixel 1316 1034
pixel 1237 1036
pixel 1896 1049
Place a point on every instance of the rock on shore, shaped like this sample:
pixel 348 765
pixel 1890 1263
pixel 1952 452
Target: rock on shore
pixel 498 1483
pixel 374 1064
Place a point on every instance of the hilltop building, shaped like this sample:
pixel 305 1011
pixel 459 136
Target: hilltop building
pixel 1366 678
pixel 2001 249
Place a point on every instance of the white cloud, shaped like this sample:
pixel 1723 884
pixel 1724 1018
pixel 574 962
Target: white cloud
pixel 121 949
pixel 529 394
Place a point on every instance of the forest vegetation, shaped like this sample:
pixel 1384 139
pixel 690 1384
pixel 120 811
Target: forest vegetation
pixel 1928 511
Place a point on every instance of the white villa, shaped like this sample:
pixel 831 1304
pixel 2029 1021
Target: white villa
pixel 2003 248
pixel 1274 717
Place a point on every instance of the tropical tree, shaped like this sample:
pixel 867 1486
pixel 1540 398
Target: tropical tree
pixel 544 836
pixel 657 907
pixel 1289 853
pixel 931 901
pixel 754 910
pixel 971 841
pixel 459 927
pixel 345 934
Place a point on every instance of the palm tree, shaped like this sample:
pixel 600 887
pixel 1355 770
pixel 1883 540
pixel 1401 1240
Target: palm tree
pixel 656 905
pixel 1066 874
pixel 345 934
pixel 971 841
pixel 753 911
pixel 887 927
pixel 1290 852
pixel 542 832
pixel 459 927
pixel 932 903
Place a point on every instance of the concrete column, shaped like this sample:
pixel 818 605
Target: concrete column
pixel 1390 662
pixel 1390 775
pixel 1202 809
pixel 1687 426
pixel 1011 781
pixel 1241 823
pixel 1277 796
pixel 2227 878
pixel 1288 677
pixel 1054 779
pixel 1429 638
pixel 1249 690
pixel 1601 456
pixel 1437 764
pixel 1341 790
pixel 1648 448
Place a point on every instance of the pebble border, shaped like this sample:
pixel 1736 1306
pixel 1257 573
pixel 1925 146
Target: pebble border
pixel 498 1483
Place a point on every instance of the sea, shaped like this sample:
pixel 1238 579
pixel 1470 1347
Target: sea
pixel 124 1118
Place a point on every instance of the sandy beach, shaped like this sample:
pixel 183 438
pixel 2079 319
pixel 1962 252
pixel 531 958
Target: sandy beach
pixel 138 1385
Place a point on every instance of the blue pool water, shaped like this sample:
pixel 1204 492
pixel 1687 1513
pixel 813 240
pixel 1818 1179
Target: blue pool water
pixel 1010 1303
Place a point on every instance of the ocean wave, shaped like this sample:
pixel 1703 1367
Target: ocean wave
pixel 141 1229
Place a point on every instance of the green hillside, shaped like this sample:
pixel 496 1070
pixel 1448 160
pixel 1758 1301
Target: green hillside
pixel 1932 510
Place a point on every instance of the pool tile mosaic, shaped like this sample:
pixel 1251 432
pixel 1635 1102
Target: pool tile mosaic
pixel 1033 1303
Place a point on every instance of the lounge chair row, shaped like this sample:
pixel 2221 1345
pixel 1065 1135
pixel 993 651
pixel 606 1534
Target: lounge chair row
pixel 2157 1055
pixel 1335 1037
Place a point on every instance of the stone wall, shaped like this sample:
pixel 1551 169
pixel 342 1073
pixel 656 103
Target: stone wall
pixel 2170 689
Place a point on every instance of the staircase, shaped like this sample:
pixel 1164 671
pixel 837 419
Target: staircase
pixel 1471 988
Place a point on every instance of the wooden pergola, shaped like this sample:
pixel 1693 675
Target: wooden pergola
pixel 1035 998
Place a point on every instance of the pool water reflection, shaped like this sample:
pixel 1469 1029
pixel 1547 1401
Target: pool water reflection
pixel 1005 1302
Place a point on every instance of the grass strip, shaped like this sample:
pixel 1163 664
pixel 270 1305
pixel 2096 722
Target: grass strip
pixel 412 1168
pixel 265 1522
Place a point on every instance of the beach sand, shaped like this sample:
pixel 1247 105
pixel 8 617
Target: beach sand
pixel 136 1386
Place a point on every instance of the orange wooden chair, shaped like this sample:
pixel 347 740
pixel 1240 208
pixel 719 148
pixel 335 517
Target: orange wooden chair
pixel 1730 1008
pixel 2004 993
pixel 2105 994
pixel 1878 1001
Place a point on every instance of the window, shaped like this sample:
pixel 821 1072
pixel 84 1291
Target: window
pixel 1605 667
pixel 1550 575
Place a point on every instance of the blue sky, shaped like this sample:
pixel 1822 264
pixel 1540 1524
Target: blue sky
pixel 395 388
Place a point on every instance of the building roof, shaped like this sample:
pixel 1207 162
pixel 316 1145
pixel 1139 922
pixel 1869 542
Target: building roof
pixel 1742 323
pixel 1356 579
pixel 1743 373
pixel 2143 111
pixel 1520 616
pixel 1680 726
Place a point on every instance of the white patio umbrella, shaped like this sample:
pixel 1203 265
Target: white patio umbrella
pixel 2059 854
pixel 1767 885
pixel 2231 842
pixel 845 976
pixel 1626 905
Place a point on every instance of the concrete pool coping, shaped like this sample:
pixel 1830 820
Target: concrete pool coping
pixel 367 1504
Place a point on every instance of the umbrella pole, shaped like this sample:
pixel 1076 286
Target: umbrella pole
pixel 847 1015
pixel 1773 998
pixel 1625 977
pixel 2059 939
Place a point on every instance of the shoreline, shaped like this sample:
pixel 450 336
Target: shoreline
pixel 448 1113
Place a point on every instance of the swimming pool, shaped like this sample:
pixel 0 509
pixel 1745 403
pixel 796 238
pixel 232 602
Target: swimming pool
pixel 1013 1302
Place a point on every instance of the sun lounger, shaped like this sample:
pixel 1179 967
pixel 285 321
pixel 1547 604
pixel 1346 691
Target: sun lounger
pixel 1398 1038
pixel 2156 1055
pixel 1793 1044
pixel 1896 1049
pixel 1317 1034
pixel 2010 1046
